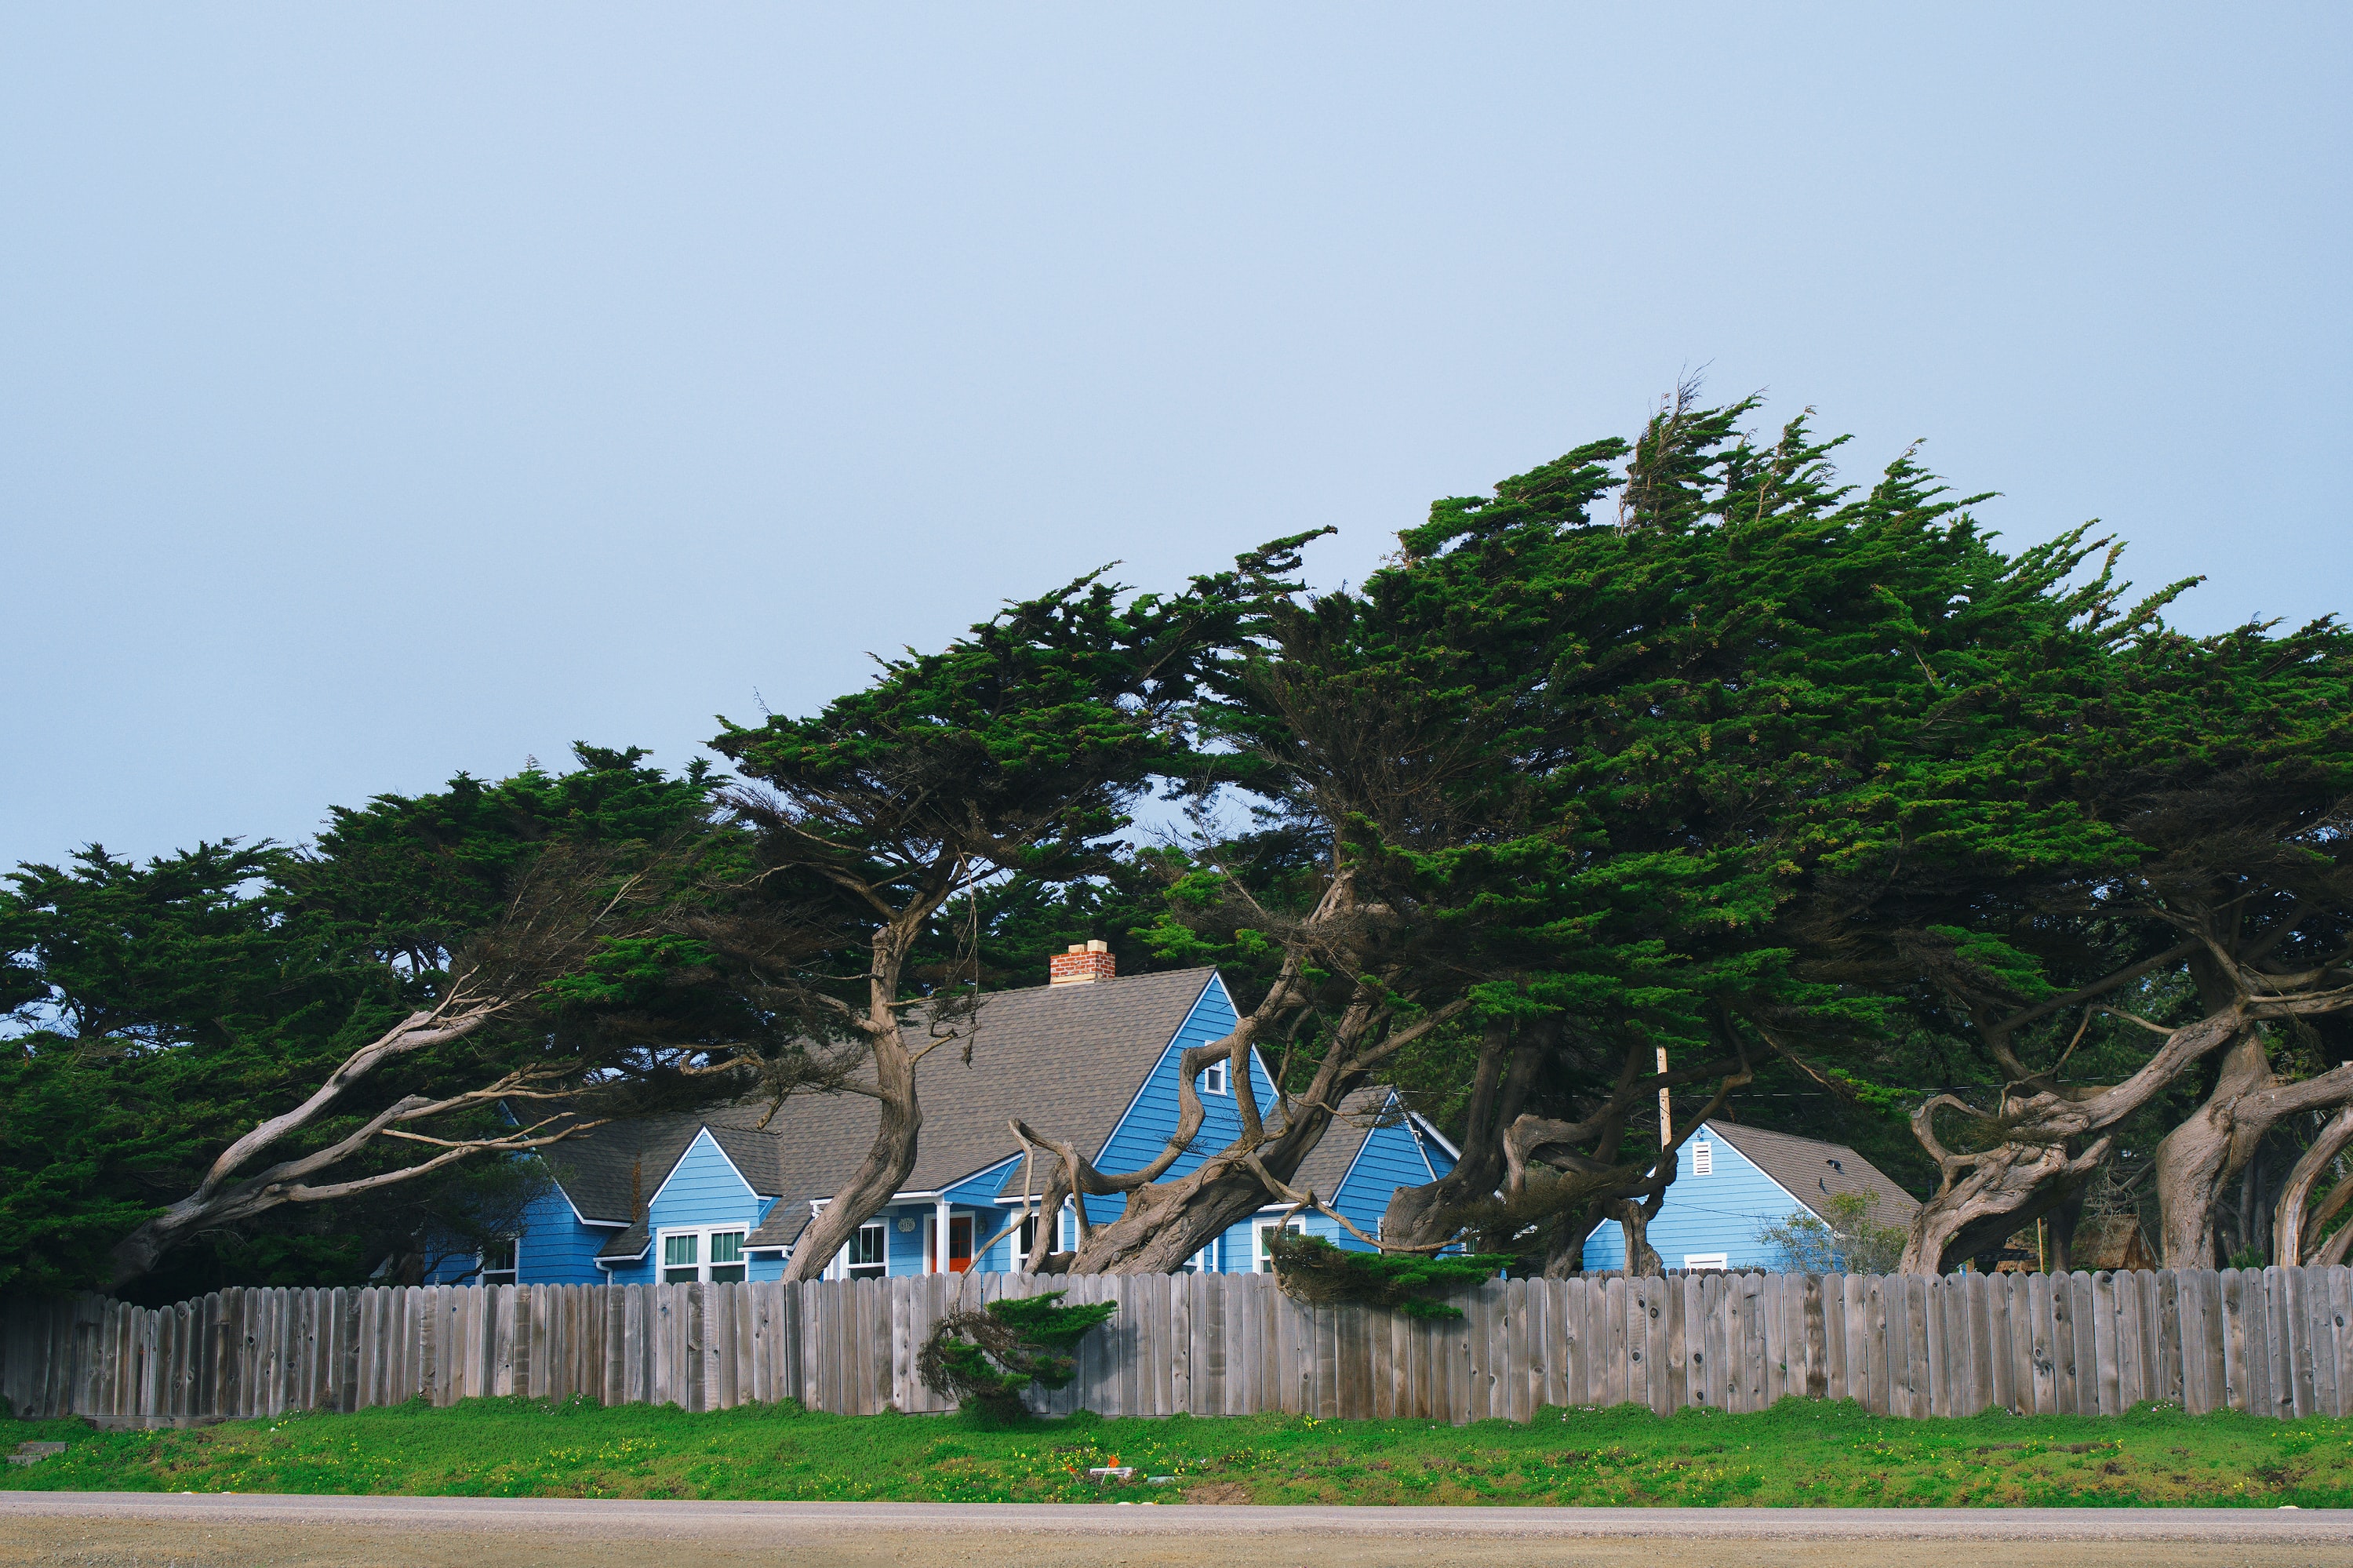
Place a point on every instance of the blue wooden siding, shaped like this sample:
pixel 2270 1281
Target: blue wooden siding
pixel 556 1249
pixel 453 1268
pixel 703 1189
pixel 1142 1131
pixel 1392 1158
pixel 1721 1211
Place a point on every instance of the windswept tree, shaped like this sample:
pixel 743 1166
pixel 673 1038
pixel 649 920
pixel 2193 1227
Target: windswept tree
pixel 1359 744
pixel 227 1034
pixel 1013 754
pixel 1567 788
pixel 2198 789
pixel 1748 673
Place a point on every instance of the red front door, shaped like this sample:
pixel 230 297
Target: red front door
pixel 959 1245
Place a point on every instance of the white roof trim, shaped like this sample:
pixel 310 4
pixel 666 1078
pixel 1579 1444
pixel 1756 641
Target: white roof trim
pixel 1437 1137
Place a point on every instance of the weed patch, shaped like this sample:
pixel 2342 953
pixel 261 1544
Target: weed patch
pixel 1798 1454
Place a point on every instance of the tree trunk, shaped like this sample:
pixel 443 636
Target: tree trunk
pixel 2009 1189
pixel 1565 1252
pixel 1509 1053
pixel 880 1174
pixel 1985 1198
pixel 2297 1226
pixel 1166 1222
pixel 1643 1260
pixel 891 1155
pixel 2217 1143
pixel 2064 1219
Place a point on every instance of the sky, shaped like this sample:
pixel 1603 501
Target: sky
pixel 392 391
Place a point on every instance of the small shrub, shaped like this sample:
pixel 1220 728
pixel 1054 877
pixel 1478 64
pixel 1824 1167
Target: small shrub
pixel 987 1361
pixel 1313 1269
pixel 1847 1242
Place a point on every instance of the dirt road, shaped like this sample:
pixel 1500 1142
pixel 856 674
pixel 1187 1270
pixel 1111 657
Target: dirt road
pixel 118 1530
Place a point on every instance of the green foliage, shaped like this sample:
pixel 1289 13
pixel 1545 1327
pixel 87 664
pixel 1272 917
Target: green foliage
pixel 629 971
pixel 979 794
pixel 987 1360
pixel 1313 1269
pixel 413 878
pixel 1799 1454
pixel 162 1010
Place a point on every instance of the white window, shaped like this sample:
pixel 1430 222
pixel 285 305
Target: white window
pixel 1266 1228
pixel 1706 1259
pixel 867 1255
pixel 1204 1261
pixel 1027 1241
pixel 1213 1079
pixel 498 1261
pixel 707 1255
pixel 1702 1159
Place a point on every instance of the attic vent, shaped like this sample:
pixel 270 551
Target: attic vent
pixel 1702 1160
pixel 1084 964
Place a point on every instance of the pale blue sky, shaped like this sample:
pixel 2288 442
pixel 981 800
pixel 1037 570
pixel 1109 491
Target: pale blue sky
pixel 391 390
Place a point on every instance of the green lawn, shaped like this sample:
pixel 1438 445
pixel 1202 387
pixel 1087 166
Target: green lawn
pixel 1800 1452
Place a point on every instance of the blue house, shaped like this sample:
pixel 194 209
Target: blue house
pixel 1732 1181
pixel 1091 1059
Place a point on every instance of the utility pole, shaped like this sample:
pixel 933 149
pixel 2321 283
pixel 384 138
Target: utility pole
pixel 1666 1122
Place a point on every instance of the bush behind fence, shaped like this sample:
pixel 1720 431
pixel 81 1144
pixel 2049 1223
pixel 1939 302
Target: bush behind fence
pixel 2268 1341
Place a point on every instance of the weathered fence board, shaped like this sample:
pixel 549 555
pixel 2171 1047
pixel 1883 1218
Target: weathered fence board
pixel 2270 1342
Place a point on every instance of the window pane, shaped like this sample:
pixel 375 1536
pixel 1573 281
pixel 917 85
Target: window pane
pixel 677 1250
pixel 499 1255
pixel 867 1245
pixel 726 1246
pixel 721 1274
pixel 686 1276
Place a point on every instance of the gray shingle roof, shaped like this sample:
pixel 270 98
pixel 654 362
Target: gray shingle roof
pixel 1066 1059
pixel 1814 1172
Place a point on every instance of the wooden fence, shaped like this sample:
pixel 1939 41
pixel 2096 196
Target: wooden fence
pixel 2271 1342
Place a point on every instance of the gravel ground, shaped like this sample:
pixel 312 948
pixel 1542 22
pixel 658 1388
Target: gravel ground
pixel 117 1530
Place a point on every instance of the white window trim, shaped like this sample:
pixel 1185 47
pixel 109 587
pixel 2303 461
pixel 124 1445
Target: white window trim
pixel 1709 1260
pixel 1216 1078
pixel 702 1264
pixel 841 1267
pixel 1261 1262
pixel 482 1269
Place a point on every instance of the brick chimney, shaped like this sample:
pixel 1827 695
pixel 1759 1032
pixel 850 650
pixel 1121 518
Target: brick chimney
pixel 1084 964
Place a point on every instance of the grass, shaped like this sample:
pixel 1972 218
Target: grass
pixel 1798 1454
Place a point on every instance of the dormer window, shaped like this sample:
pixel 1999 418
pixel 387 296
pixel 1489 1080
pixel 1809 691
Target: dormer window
pixel 1213 1079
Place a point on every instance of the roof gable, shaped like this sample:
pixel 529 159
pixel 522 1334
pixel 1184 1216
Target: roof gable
pixel 1066 1059
pixel 1813 1171
pixel 701 1138
pixel 1150 1105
